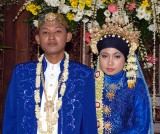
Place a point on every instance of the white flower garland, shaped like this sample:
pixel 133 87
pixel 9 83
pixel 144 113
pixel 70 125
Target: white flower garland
pixel 99 80
pixel 54 116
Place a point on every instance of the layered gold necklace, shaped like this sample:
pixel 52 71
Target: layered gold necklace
pixel 51 113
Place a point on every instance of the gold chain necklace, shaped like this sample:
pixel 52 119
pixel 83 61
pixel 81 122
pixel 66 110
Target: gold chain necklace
pixel 51 117
pixel 49 105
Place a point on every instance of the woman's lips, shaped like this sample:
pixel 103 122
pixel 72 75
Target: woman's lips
pixel 110 69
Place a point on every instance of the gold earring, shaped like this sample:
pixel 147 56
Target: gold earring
pixel 125 66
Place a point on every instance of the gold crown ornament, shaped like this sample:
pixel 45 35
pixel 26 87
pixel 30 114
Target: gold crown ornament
pixel 57 17
pixel 115 26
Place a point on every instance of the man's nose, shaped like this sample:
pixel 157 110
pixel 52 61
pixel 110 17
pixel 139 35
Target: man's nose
pixel 52 35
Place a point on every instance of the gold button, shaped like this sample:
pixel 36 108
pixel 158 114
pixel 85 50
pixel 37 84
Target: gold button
pixel 52 74
pixel 49 96
pixel 51 85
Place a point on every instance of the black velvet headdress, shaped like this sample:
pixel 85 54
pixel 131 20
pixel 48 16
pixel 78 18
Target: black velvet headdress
pixel 114 42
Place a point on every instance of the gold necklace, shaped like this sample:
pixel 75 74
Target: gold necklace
pixel 49 104
pixel 51 117
pixel 111 88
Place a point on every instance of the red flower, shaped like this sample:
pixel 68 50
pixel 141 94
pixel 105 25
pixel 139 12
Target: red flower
pixel 151 60
pixel 87 37
pixel 112 8
pixel 131 6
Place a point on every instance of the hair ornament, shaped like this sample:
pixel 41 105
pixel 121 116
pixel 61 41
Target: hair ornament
pixel 126 32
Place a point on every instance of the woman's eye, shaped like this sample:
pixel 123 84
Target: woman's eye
pixel 118 56
pixel 104 56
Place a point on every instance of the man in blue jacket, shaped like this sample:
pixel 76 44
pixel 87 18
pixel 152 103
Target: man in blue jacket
pixel 53 95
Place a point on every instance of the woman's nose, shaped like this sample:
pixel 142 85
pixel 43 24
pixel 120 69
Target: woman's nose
pixel 110 61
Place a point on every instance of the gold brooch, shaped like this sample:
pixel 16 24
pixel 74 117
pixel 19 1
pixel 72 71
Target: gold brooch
pixel 108 126
pixel 50 17
pixel 107 110
pixel 113 86
pixel 110 95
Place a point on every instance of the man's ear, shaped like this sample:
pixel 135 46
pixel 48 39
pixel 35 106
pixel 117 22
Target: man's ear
pixel 37 39
pixel 69 36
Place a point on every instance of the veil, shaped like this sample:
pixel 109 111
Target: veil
pixel 139 74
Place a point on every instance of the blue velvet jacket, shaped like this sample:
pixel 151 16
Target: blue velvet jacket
pixel 77 115
pixel 130 109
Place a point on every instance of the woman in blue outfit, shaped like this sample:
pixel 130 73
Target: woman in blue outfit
pixel 52 95
pixel 122 97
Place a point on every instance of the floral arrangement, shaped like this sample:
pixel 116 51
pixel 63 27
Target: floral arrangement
pixel 140 12
pixel 86 11
pixel 144 14
pixel 75 11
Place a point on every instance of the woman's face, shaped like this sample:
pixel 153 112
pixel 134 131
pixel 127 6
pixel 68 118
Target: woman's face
pixel 111 61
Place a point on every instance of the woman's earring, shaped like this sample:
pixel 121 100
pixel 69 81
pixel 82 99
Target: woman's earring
pixel 38 53
pixel 125 66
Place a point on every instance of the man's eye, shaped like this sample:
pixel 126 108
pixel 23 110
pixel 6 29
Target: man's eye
pixel 44 32
pixel 58 31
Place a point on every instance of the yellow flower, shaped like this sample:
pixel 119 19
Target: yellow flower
pixel 74 4
pixel 82 5
pixel 33 8
pixel 70 1
pixel 88 3
pixel 73 1
pixel 103 1
pixel 145 3
pixel 70 16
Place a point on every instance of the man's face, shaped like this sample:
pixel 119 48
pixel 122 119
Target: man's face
pixel 53 37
